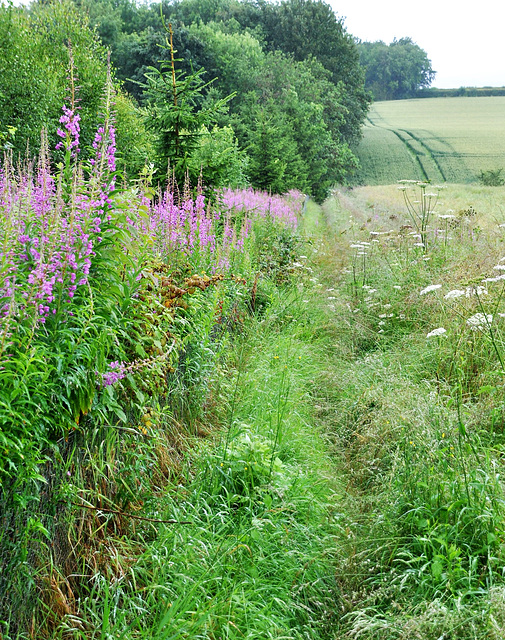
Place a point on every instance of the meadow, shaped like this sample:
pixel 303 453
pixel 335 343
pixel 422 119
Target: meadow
pixel 413 404
pixel 437 139
pixel 248 417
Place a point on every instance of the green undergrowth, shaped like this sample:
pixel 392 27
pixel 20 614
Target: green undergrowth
pixel 222 520
pixel 253 556
pixel 336 470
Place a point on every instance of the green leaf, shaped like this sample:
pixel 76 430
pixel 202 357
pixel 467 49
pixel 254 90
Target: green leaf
pixel 488 388
pixel 139 350
pixel 437 568
pixel 120 414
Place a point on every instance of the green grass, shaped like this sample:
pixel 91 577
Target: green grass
pixel 418 421
pixel 345 479
pixel 252 503
pixel 436 139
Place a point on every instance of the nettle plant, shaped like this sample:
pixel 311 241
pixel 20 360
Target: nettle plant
pixel 248 468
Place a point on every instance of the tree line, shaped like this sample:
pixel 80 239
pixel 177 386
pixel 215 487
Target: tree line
pixel 229 92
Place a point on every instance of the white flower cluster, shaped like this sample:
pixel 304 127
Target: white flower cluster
pixel 436 332
pixel 431 287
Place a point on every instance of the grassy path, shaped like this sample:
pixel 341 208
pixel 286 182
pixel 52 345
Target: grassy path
pixel 344 480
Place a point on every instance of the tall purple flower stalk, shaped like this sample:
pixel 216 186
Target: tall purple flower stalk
pixel 48 242
pixel 70 132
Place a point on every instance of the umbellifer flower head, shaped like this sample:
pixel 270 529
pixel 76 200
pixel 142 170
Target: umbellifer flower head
pixel 431 287
pixel 478 320
pixel 436 332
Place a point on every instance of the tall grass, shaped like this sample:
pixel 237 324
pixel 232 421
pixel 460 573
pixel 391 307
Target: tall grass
pixel 415 410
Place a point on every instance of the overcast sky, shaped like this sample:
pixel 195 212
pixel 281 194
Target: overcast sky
pixel 464 41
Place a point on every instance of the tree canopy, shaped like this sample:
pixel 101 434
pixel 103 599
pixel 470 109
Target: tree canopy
pixel 35 50
pixel 298 95
pixel 397 70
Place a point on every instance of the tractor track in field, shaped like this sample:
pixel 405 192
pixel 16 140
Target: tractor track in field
pixel 406 136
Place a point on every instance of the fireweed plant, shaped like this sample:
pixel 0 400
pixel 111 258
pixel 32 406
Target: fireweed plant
pixel 94 283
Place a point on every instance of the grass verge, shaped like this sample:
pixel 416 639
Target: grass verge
pixel 238 538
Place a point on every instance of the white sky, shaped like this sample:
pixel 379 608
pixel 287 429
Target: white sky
pixel 464 40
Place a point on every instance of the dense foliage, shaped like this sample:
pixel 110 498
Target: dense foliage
pixel 35 49
pixel 105 292
pixel 298 101
pixel 395 71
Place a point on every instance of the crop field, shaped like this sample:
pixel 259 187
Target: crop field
pixel 435 139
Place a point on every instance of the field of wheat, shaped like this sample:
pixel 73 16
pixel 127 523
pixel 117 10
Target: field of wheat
pixel 437 139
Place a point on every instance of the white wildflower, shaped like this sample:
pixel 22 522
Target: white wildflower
pixel 475 291
pixel 499 267
pixel 455 293
pixel 496 279
pixel 431 287
pixel 479 319
pixel 436 332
